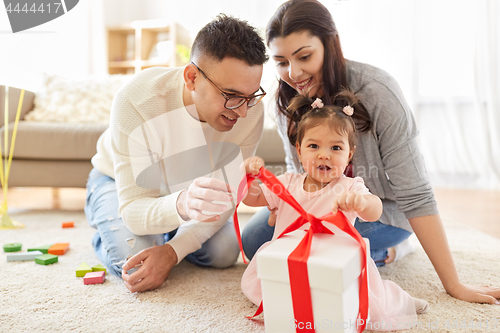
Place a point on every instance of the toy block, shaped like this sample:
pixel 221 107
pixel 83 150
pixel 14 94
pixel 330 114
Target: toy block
pixel 83 269
pixel 43 249
pixel 98 268
pixel 12 247
pixel 23 256
pixel 59 248
pixel 69 224
pixel 94 277
pixel 46 259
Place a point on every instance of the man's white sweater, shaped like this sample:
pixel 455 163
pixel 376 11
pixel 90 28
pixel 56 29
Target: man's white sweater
pixel 152 151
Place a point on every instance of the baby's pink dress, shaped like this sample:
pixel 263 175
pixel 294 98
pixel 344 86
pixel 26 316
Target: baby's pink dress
pixel 390 307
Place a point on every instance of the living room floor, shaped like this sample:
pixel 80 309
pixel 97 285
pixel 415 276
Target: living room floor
pixel 477 209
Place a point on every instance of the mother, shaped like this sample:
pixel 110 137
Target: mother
pixel 305 45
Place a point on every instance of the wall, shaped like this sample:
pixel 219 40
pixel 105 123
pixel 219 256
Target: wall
pixel 60 46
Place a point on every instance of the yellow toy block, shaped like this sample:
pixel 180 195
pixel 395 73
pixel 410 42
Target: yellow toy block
pixel 83 269
pixel 98 268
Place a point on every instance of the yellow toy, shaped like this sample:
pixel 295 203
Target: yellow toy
pixel 6 222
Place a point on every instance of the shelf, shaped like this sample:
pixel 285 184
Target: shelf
pixel 130 46
pixel 154 63
pixel 121 64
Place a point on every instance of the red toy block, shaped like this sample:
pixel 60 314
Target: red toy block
pixel 69 224
pixel 59 249
pixel 94 277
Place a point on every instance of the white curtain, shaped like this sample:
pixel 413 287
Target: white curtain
pixel 458 100
pixel 446 57
pixel 487 84
pixel 97 50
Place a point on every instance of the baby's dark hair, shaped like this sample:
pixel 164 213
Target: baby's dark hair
pixel 307 117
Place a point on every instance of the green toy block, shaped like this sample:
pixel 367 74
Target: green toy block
pixel 98 268
pixel 12 247
pixel 43 249
pixel 46 259
pixel 83 269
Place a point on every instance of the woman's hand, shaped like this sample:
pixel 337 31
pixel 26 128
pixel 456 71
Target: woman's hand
pixel 431 234
pixel 253 165
pixel 476 294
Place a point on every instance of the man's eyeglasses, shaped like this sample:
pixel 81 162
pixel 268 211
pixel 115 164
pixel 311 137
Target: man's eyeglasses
pixel 235 101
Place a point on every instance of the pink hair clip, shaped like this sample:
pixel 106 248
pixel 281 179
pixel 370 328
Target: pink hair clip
pixel 348 110
pixel 317 104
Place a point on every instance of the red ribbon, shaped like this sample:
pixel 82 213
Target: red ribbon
pixel 297 260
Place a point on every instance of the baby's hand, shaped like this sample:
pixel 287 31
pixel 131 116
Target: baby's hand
pixel 350 201
pixel 253 165
pixel 272 217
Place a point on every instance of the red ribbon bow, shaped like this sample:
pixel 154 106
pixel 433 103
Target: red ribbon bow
pixel 297 260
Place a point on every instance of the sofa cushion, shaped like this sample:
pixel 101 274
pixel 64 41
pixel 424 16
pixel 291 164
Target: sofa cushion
pixel 14 94
pixel 54 141
pixel 86 100
pixel 51 173
pixel 270 147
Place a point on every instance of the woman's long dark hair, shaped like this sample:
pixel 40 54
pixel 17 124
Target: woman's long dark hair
pixel 312 16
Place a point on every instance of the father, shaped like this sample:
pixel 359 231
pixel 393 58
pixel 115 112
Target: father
pixel 163 164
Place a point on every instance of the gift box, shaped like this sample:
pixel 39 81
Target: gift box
pixel 334 266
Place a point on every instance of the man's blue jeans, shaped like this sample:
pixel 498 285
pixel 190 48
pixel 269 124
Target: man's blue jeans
pixel 381 236
pixel 114 243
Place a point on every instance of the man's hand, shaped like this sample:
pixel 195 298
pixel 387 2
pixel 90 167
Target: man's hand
pixel 199 197
pixel 157 261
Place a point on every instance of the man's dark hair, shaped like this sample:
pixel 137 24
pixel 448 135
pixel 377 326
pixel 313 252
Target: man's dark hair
pixel 227 36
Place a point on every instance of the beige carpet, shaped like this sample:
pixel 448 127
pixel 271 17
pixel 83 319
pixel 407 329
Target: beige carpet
pixel 35 298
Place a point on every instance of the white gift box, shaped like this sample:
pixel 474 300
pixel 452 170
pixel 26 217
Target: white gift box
pixel 334 266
